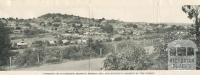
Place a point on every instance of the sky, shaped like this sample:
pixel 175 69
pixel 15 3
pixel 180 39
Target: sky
pixel 125 10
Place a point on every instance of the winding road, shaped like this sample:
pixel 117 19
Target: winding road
pixel 82 65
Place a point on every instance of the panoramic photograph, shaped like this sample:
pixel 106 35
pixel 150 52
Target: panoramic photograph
pixel 96 35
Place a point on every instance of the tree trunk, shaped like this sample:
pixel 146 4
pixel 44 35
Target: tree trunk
pixel 197 31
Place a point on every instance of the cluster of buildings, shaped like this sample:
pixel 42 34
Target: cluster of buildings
pixel 65 32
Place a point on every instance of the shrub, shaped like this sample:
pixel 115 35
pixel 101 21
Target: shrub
pixel 71 53
pixel 53 60
pixel 28 58
pixel 88 52
pixel 46 55
pixel 133 58
pixel 2 68
pixel 53 55
pixel 78 52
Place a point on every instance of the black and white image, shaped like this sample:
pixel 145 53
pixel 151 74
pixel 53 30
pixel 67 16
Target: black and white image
pixel 97 35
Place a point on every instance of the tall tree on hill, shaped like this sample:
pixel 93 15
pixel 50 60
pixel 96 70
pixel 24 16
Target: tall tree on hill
pixel 4 44
pixel 193 12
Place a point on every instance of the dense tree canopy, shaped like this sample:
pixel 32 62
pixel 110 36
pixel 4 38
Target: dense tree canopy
pixel 4 44
pixel 107 28
pixel 193 13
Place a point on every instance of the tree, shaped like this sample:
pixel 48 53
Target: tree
pixel 28 25
pixel 4 44
pixel 193 12
pixel 94 47
pixel 27 58
pixel 107 28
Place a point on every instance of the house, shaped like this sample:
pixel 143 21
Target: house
pixel 17 31
pixel 73 42
pixel 70 30
pixel 82 41
pixel 128 31
pixel 65 42
pixel 25 27
pixel 56 24
pixel 105 39
pixel 112 39
pixel 22 44
pixel 121 31
pixel 78 25
pixel 86 33
pixel 149 50
pixel 138 32
pixel 12 24
pixel 52 43
pixel 85 25
pixel 95 29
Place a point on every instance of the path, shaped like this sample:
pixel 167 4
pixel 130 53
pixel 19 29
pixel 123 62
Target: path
pixel 83 65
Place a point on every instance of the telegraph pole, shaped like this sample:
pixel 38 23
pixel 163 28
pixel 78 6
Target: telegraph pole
pixel 10 63
pixel 61 54
pixel 38 56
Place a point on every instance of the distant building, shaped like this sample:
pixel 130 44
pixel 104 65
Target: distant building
pixel 82 41
pixel 95 29
pixel 65 42
pixel 17 31
pixel 52 42
pixel 22 44
pixel 149 49
pixel 12 24
pixel 73 42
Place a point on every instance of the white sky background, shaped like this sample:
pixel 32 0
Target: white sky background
pixel 126 10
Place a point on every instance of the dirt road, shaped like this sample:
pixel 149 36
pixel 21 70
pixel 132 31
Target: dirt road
pixel 82 65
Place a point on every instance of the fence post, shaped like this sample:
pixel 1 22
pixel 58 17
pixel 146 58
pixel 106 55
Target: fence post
pixel 61 54
pixel 115 48
pixel 38 57
pixel 100 51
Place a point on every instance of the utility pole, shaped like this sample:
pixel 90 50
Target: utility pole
pixel 81 50
pixel 10 63
pixel 61 54
pixel 38 56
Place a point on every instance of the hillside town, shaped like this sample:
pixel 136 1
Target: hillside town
pixel 55 37
pixel 62 30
